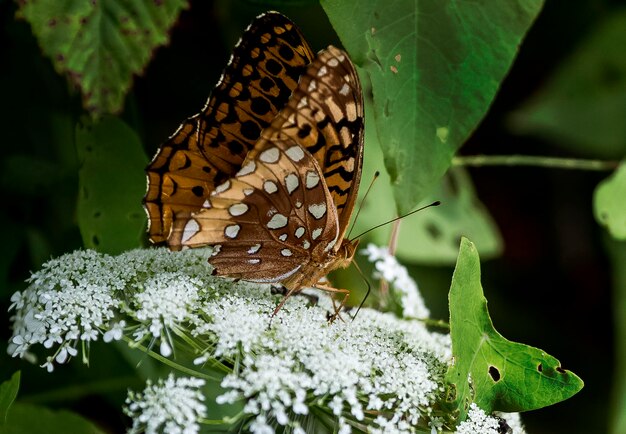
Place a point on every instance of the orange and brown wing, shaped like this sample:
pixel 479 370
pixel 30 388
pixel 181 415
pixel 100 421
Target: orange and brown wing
pixel 271 218
pixel 325 115
pixel 277 213
pixel 210 147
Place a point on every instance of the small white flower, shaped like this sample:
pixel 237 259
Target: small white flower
pixel 403 287
pixel 172 405
pixel 478 422
pixel 115 333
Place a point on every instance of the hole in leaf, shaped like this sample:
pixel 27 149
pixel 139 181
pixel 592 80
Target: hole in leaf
pixel 95 240
pixel 560 370
pixel 540 367
pixel 494 373
pixel 503 427
pixel 433 230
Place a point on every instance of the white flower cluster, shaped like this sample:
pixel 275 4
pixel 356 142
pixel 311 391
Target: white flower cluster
pixel 377 371
pixel 173 406
pixel 77 297
pixel 403 287
pixel 479 422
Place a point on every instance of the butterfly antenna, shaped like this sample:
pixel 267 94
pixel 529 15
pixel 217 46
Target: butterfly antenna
pixel 376 175
pixel 436 203
pixel 367 293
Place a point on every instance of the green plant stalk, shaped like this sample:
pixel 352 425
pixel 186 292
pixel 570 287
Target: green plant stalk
pixel 534 160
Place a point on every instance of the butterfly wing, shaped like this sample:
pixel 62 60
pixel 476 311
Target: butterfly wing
pixel 210 147
pixel 325 115
pixel 274 216
pixel 277 214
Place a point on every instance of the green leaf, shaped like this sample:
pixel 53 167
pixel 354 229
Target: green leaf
pixel 28 418
pixel 8 393
pixel 111 186
pixel 583 104
pixel 430 236
pixel 434 68
pixel 99 45
pixel 505 376
pixel 609 205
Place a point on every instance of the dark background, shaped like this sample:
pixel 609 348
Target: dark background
pixel 551 288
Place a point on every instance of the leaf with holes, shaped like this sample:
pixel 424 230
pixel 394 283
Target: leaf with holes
pixel 609 206
pixel 505 376
pixel 434 67
pixel 111 183
pixel 100 45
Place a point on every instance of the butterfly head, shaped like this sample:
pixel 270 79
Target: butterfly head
pixel 346 252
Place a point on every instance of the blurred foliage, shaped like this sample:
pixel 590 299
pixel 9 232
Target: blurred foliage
pixel 609 203
pixel 111 185
pixel 565 90
pixel 582 104
pixel 430 236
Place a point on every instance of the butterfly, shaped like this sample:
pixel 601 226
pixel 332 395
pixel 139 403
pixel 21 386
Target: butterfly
pixel 282 215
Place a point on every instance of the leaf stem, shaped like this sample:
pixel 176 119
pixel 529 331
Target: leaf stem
pixel 534 160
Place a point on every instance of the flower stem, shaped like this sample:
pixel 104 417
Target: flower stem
pixel 171 363
pixel 534 160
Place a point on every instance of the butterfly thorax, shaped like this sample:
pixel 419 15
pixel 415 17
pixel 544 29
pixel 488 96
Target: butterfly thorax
pixel 312 272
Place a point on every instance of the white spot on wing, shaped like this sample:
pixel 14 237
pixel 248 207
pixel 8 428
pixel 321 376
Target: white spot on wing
pixel 206 204
pixel 316 233
pixel 247 169
pixel 330 245
pixel 270 155
pixel 232 231
pixel 333 62
pixel 312 179
pixel 303 102
pixel 322 72
pixel 277 221
pixel 248 191
pixel 221 188
pixel 283 237
pixel 317 210
pixel 254 261
pixel 345 89
pixel 286 252
pixel 252 250
pixel 270 187
pixel 238 209
pixel 299 232
pixel 312 86
pixel 191 228
pixel 291 182
pixel 306 244
pixel 295 153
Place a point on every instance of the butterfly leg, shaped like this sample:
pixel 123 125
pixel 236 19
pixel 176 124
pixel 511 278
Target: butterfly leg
pixel 346 294
pixel 288 294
